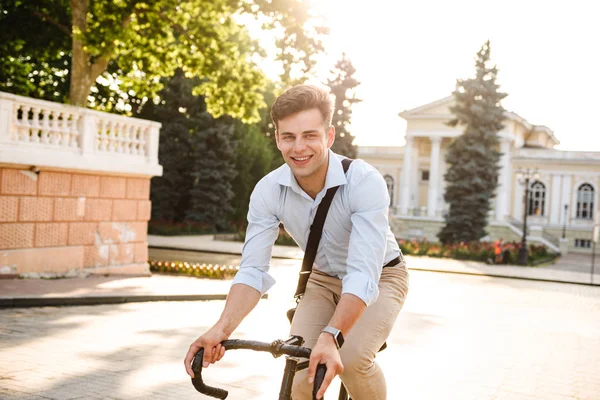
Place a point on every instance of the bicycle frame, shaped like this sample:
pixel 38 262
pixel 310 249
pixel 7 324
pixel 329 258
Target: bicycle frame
pixel 291 347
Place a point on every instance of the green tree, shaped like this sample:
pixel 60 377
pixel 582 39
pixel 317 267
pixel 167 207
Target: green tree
pixel 473 157
pixel 213 172
pixel 125 47
pixel 343 86
pixel 254 158
pixel 196 153
pixel 178 112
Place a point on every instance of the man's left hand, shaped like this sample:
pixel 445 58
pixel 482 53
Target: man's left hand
pixel 325 352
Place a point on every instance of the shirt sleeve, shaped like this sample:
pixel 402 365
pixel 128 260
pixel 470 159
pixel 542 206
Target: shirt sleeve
pixel 262 231
pixel 369 203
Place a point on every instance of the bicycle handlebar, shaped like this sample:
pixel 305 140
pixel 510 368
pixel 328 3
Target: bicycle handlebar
pixel 275 348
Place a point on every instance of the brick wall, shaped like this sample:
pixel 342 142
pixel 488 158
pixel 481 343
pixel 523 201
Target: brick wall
pixel 61 222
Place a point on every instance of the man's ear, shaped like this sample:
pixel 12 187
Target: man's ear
pixel 277 139
pixel 330 136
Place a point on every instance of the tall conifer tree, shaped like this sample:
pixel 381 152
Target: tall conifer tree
pixel 197 156
pixel 473 157
pixel 343 86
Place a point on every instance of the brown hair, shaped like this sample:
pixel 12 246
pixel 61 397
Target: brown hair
pixel 301 98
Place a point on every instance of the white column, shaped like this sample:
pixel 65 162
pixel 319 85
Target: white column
pixel 442 184
pixel 519 193
pixel 406 175
pixel 555 206
pixel 434 176
pixel 415 178
pixel 88 130
pixel 6 119
pixel 152 143
pixel 566 198
pixel 503 181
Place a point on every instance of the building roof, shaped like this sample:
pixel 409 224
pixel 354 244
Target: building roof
pixel 424 111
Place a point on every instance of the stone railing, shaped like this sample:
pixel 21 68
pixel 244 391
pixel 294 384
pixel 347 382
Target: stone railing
pixel 40 133
pixel 551 238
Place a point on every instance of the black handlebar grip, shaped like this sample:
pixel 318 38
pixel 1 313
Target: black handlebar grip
pixel 197 379
pixel 319 377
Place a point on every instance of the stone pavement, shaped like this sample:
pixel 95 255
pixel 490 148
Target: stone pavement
pixel 458 338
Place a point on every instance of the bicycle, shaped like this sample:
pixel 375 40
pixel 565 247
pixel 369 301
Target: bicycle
pixel 291 347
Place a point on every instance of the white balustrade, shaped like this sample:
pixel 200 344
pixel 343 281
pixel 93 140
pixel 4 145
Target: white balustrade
pixel 43 133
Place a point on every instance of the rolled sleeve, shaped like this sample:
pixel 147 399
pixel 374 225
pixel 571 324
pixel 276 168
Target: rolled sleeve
pixel 368 239
pixel 260 280
pixel 362 286
pixel 262 231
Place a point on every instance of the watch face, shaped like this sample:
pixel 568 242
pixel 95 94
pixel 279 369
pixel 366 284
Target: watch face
pixel 339 339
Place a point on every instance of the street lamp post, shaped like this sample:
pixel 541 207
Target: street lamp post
pixel 524 176
pixel 564 232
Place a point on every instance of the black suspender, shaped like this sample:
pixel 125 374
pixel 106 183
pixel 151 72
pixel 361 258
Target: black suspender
pixel 316 230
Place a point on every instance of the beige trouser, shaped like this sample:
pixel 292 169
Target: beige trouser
pixel 362 376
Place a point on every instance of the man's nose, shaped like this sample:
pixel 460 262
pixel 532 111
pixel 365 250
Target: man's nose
pixel 299 144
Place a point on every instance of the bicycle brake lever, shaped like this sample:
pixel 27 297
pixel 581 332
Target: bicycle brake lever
pixel 199 384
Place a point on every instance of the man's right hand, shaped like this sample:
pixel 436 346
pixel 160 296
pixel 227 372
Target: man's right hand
pixel 213 351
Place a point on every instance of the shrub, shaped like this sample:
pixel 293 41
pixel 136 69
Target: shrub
pixel 474 251
pixel 198 270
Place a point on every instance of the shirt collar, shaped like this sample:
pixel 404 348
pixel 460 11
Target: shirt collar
pixel 335 174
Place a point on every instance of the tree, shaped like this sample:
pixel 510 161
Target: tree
pixel 127 46
pixel 196 153
pixel 473 158
pixel 343 85
pixel 254 158
pixel 213 171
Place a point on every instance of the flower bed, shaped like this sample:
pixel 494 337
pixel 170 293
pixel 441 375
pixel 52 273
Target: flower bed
pixel 209 271
pixel 474 251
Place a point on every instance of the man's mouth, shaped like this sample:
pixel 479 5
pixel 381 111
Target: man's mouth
pixel 301 160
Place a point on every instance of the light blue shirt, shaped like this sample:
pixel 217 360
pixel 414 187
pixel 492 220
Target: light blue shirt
pixel 356 242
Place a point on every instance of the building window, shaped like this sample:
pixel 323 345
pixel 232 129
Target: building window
pixel 425 175
pixel 537 199
pixel 585 201
pixel 389 181
pixel 583 243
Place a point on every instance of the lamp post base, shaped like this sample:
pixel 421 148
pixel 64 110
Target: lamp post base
pixel 522 260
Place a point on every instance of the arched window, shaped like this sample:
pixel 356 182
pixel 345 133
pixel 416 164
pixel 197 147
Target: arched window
pixel 389 181
pixel 585 201
pixel 537 199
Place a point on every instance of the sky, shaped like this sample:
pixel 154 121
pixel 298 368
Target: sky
pixel 410 53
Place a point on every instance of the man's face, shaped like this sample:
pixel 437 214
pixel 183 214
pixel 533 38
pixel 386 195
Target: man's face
pixel 304 143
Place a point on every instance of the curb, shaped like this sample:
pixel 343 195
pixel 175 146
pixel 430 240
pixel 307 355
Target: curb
pixel 409 268
pixel 25 302
pixel 229 253
pixel 523 278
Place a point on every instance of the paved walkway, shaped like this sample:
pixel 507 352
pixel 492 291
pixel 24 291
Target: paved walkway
pixel 458 338
pixel 115 289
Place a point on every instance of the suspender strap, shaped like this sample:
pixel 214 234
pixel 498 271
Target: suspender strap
pixel 314 237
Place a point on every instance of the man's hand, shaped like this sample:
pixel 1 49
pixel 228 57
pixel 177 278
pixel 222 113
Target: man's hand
pixel 325 352
pixel 213 351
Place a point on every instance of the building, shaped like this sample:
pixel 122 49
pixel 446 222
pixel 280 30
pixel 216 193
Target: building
pixel 563 200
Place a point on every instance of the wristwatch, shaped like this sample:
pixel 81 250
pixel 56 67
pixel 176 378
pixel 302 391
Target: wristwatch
pixel 337 335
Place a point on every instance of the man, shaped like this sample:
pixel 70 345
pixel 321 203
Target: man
pixel 349 290
pixel 498 251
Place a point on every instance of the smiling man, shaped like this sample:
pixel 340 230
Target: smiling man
pixel 359 279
